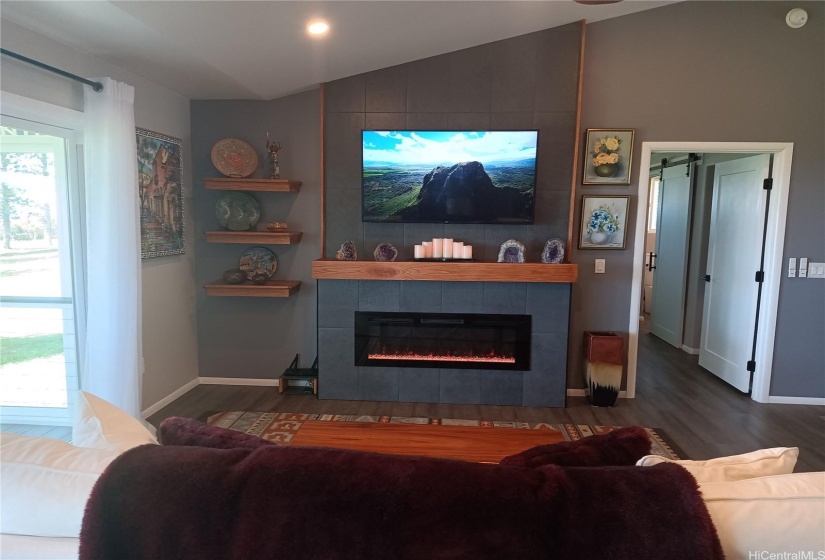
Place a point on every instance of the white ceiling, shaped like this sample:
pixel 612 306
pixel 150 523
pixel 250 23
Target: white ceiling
pixel 236 49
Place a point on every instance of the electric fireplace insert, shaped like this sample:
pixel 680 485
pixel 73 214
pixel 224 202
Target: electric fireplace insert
pixel 443 340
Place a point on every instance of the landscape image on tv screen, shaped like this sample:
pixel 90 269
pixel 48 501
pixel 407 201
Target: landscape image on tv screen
pixel 449 176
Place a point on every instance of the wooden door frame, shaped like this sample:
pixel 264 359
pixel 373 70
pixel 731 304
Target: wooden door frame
pixel 774 245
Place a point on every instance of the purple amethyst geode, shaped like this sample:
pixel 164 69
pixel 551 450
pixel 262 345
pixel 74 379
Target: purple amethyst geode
pixel 511 252
pixel 385 252
pixel 553 252
pixel 347 252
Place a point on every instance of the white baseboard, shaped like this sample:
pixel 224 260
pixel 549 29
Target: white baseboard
pixel 237 381
pixel 169 398
pixel 690 350
pixel 583 393
pixel 797 400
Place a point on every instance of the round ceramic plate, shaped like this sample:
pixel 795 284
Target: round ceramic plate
pixel 237 211
pixel 234 158
pixel 259 260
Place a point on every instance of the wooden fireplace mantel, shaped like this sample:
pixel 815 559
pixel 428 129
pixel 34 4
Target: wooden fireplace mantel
pixel 332 269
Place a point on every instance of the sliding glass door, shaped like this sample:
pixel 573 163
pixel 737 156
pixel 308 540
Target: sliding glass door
pixel 40 272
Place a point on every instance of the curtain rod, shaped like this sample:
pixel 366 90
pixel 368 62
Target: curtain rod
pixel 97 86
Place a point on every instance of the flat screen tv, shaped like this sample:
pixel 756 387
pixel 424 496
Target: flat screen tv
pixel 465 176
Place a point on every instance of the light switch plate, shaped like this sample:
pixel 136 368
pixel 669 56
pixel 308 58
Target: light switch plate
pixel 792 267
pixel 816 270
pixel 803 267
pixel 599 266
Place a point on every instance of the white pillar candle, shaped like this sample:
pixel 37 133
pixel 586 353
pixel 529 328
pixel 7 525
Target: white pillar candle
pixel 458 249
pixel 467 252
pixel 438 247
pixel 448 247
pixel 428 249
pixel 419 251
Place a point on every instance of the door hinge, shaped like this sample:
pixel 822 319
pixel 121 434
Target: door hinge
pixel 751 366
pixel 760 276
pixel 767 184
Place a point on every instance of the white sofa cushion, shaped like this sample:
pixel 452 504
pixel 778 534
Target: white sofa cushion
pixel 765 462
pixel 101 425
pixel 769 515
pixel 45 483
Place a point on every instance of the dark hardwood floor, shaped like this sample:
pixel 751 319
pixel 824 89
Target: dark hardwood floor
pixel 700 413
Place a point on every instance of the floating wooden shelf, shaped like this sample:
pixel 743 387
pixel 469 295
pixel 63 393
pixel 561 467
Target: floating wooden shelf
pixel 273 288
pixel 262 237
pixel 331 269
pixel 251 184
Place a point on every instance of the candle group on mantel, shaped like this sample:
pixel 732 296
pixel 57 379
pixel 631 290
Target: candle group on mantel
pixel 443 248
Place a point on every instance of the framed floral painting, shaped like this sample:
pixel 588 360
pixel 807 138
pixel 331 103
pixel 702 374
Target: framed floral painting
pixel 603 222
pixel 608 154
pixel 160 191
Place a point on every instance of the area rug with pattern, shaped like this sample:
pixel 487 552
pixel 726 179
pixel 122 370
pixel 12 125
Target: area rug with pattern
pixel 366 432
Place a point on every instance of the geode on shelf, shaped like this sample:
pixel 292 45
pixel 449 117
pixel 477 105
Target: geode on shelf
pixel 347 252
pixel 234 276
pixel 553 252
pixel 511 252
pixel 385 252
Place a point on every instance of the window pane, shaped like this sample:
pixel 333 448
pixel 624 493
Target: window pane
pixel 32 192
pixel 37 349
pixel 38 341
pixel 653 205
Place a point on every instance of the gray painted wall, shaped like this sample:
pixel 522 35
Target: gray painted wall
pixel 716 71
pixel 169 340
pixel 258 337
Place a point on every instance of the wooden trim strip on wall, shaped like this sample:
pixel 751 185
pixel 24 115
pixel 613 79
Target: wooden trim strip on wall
pixel 323 183
pixel 577 143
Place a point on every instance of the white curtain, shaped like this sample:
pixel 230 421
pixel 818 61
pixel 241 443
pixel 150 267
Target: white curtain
pixel 113 364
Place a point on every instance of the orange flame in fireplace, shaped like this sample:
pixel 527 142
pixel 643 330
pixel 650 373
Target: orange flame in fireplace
pixel 492 358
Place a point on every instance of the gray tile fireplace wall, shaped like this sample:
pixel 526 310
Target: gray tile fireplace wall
pixel 527 82
pixel 543 385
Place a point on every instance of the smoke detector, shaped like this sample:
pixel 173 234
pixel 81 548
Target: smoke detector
pixel 796 18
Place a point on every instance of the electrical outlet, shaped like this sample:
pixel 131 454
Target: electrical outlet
pixel 599 266
pixel 816 270
pixel 792 267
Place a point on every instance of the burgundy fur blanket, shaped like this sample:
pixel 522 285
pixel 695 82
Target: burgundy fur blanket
pixel 173 502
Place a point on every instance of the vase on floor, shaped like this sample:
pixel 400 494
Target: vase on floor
pixel 603 365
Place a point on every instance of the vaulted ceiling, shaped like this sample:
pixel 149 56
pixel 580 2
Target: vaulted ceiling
pixel 260 49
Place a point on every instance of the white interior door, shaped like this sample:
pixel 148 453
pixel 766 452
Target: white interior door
pixel 672 240
pixel 734 248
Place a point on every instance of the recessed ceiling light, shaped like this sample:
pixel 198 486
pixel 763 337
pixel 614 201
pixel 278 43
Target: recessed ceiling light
pixel 319 27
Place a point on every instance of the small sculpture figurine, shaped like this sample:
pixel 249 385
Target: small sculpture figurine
pixel 511 252
pixel 273 148
pixel 347 252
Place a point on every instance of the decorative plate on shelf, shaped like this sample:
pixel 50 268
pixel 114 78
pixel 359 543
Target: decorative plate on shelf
pixel 237 211
pixel 259 260
pixel 234 158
